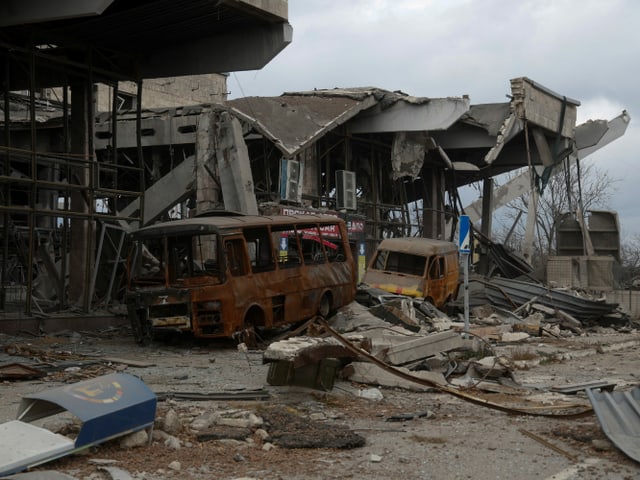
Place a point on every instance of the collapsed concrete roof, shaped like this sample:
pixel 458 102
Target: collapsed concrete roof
pixel 478 141
pixel 294 120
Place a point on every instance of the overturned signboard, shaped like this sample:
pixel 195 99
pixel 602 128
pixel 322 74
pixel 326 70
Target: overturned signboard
pixel 108 407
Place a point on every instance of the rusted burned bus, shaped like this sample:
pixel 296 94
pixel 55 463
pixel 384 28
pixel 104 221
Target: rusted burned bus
pixel 416 267
pixel 214 276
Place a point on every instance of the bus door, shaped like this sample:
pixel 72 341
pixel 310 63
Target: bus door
pixel 270 284
pixel 288 280
pixel 242 287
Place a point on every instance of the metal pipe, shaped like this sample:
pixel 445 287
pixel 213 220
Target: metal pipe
pixel 89 240
pixel 7 191
pixel 143 187
pixel 62 301
pixel 34 176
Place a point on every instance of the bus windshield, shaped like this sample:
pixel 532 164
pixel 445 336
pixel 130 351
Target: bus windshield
pixel 183 256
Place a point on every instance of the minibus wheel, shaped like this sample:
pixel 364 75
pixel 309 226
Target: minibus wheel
pixel 324 307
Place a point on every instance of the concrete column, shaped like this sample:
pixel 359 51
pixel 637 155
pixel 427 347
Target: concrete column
pixel 207 178
pixel 233 166
pixel 433 218
pixel 310 172
pixel 487 217
pixel 80 229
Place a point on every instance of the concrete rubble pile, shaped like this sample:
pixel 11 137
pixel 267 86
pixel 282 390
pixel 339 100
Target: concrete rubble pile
pixel 411 335
pixel 367 347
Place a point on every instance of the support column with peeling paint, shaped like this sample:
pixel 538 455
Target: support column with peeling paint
pixel 207 183
pixel 234 167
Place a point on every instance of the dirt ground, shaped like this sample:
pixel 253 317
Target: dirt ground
pixel 433 435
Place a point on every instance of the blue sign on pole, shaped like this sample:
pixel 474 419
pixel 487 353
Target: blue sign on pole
pixel 465 234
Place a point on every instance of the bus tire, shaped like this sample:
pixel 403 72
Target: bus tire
pixel 324 306
pixel 141 328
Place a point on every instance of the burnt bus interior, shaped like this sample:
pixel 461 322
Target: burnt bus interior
pixel 240 271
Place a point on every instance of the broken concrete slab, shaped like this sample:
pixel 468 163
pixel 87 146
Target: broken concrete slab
pixel 372 374
pixel 301 349
pixel 423 347
pixel 403 314
pixel 488 367
pixel 509 337
pixel 319 375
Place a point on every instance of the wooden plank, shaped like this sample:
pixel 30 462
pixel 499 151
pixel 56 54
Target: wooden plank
pixel 129 362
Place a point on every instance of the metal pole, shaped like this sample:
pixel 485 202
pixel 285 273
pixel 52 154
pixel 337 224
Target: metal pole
pixel 6 188
pixel 465 268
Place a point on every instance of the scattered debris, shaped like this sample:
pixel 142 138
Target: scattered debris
pixel 235 395
pixel 410 416
pixel 547 444
pixel 292 431
pixel 18 371
pixel 511 293
pixel 579 387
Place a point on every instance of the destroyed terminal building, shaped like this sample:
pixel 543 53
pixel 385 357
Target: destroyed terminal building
pixel 103 133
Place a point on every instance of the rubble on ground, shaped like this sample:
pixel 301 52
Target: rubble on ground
pixel 407 335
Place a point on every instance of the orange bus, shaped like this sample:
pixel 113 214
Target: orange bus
pixel 215 276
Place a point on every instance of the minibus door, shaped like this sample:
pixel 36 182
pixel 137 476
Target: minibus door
pixel 436 283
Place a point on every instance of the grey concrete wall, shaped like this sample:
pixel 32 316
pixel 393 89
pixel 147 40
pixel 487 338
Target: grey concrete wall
pixel 170 92
pixel 629 300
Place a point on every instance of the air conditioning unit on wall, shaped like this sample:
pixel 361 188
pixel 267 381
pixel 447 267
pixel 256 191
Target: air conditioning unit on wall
pixel 345 190
pixel 290 180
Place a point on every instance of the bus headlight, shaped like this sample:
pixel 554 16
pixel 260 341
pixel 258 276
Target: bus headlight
pixel 213 306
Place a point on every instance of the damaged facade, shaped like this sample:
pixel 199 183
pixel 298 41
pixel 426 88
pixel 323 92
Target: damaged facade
pixel 388 163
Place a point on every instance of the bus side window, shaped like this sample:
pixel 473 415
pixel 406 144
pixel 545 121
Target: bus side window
pixel 260 251
pixel 234 250
pixel 312 245
pixel 289 251
pixel 335 246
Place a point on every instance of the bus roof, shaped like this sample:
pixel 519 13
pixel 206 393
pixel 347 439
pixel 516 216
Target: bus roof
pixel 417 246
pixel 215 224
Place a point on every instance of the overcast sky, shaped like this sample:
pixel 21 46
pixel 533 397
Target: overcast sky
pixel 587 50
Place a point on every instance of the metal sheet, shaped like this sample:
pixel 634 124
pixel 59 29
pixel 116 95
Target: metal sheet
pixel 619 417
pixel 510 293
pixel 23 445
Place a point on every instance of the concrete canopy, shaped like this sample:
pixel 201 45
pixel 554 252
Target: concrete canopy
pixel 144 39
pixel 477 141
pixel 294 120
pixel 492 136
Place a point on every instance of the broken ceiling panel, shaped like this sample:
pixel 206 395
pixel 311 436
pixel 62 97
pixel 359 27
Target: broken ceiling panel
pixel 295 120
pixel 588 139
pixel 406 114
pixel 543 107
pixel 407 154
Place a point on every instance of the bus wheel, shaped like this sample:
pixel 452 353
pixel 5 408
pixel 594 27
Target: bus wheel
pixel 324 307
pixel 141 328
